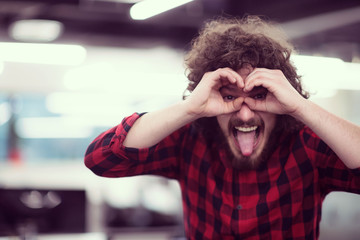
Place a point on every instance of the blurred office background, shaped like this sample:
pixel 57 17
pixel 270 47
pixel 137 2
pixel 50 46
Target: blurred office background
pixel 70 69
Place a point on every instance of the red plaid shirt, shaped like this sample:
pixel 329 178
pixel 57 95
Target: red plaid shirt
pixel 281 200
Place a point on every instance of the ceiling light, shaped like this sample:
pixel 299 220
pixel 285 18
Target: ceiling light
pixel 51 127
pixel 148 8
pixel 103 76
pixel 320 72
pixel 42 53
pixel 5 113
pixel 124 1
pixel 1 67
pixel 35 30
pixel 321 75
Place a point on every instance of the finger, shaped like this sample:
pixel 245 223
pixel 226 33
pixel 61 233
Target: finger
pixel 240 83
pixel 256 105
pixel 250 79
pixel 239 79
pixel 227 75
pixel 259 77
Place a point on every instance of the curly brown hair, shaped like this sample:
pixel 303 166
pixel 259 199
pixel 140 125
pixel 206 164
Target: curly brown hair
pixel 232 42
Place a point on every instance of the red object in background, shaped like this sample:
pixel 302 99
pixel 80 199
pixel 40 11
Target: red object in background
pixel 14 155
pixel 13 151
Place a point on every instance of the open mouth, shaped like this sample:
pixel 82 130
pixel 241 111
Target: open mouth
pixel 246 138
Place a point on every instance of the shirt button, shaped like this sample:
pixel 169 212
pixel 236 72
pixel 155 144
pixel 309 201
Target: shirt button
pixel 239 207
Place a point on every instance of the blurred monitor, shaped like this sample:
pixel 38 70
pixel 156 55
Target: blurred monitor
pixel 41 211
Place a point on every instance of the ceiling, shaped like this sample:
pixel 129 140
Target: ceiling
pixel 321 27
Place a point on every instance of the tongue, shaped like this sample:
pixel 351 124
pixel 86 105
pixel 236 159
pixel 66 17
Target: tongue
pixel 246 142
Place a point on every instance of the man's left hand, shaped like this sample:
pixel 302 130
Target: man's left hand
pixel 282 97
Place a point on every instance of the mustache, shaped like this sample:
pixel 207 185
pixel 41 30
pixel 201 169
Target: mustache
pixel 234 122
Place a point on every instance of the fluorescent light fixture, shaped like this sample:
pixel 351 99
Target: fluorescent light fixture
pixel 1 67
pixel 321 22
pixel 124 1
pixel 149 8
pixel 352 76
pixel 82 105
pixel 5 113
pixel 103 76
pixel 324 75
pixel 42 53
pixel 36 30
pixel 89 109
pixel 320 74
pixel 51 127
pixel 94 76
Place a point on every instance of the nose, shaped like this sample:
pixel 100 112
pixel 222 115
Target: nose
pixel 245 113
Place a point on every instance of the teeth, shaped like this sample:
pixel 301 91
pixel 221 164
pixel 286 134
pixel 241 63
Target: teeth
pixel 246 129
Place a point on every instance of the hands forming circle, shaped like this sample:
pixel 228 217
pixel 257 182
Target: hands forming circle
pixel 208 99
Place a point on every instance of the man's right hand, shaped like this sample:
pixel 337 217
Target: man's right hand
pixel 206 100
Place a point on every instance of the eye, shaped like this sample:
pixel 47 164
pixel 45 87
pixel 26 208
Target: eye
pixel 229 98
pixel 259 96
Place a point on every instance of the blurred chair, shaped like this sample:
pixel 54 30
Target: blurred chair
pixel 135 220
pixel 27 213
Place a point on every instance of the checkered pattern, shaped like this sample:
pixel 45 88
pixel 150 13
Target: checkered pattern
pixel 281 200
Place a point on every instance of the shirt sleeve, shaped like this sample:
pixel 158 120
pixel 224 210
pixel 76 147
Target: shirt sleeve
pixel 107 156
pixel 334 175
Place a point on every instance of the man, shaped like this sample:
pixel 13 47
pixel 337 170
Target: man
pixel 253 156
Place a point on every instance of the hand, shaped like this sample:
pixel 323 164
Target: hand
pixel 282 98
pixel 206 100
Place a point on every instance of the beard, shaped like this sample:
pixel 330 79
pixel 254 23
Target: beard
pixel 237 160
pixel 246 163
pixel 284 125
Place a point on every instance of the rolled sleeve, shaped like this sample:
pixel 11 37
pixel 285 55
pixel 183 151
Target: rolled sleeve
pixel 107 156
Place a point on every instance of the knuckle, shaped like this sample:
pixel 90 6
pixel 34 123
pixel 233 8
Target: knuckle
pixel 207 74
pixel 278 71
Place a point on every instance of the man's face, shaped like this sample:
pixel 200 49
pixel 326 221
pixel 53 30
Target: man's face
pixel 247 132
